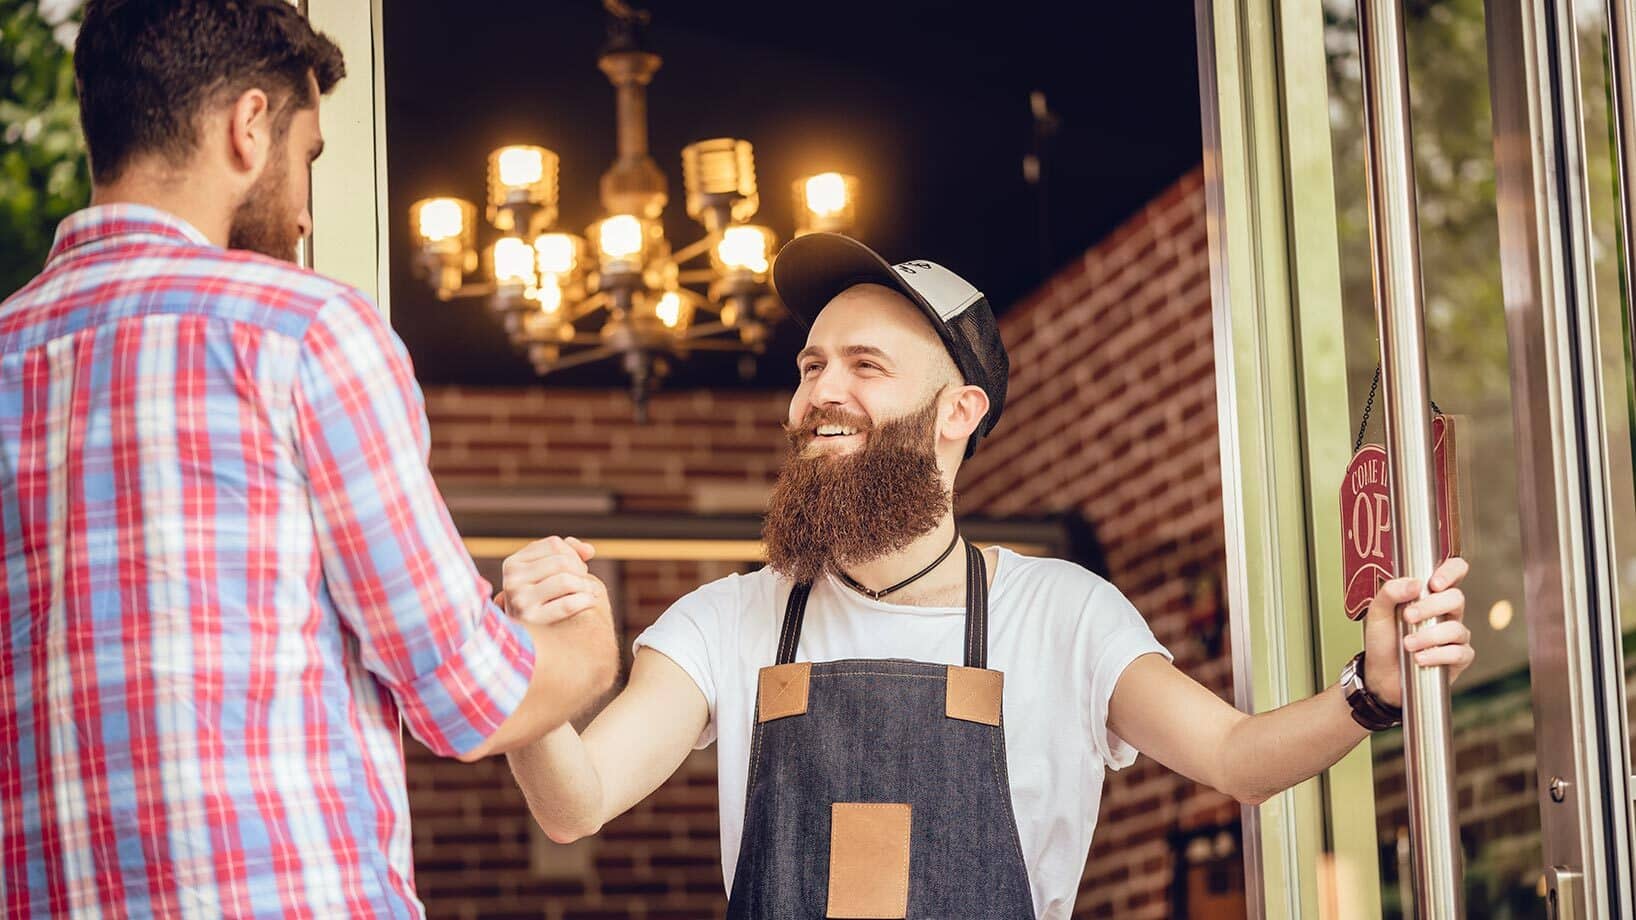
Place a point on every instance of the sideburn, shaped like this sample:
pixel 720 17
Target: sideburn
pixel 262 222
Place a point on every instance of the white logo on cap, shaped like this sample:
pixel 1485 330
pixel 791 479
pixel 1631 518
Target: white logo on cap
pixel 948 293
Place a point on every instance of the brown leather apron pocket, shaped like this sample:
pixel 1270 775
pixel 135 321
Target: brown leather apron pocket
pixel 868 861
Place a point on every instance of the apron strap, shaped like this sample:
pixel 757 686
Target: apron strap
pixel 795 611
pixel 976 608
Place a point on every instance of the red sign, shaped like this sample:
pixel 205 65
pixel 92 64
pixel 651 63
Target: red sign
pixel 1367 551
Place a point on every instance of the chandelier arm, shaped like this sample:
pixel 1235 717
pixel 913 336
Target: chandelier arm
pixel 714 345
pixel 589 356
pixel 475 289
pixel 696 248
pixel 696 276
pixel 585 338
pixel 587 306
pixel 704 330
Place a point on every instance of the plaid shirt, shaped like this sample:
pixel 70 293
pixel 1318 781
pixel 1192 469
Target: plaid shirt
pixel 227 576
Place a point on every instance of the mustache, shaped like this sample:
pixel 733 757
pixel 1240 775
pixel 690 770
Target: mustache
pixel 807 429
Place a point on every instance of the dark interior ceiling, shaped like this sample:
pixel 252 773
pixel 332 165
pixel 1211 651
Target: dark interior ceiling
pixel 927 103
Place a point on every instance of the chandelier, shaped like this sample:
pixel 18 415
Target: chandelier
pixel 621 290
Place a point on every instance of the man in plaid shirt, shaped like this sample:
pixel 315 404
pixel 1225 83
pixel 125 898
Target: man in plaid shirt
pixel 227 572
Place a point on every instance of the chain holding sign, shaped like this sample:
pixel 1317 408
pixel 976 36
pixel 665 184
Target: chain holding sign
pixel 1368 554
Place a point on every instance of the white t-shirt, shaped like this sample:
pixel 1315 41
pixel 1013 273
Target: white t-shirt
pixel 1061 634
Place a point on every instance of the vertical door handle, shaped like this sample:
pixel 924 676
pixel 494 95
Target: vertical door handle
pixel 1565 893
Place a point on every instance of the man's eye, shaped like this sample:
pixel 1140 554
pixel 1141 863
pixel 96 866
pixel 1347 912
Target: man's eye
pixel 807 370
pixel 869 365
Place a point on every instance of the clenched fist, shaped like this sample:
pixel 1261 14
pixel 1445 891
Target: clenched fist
pixel 548 581
pixel 1446 643
pixel 548 585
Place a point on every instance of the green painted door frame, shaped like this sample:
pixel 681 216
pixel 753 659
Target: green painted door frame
pixel 1284 415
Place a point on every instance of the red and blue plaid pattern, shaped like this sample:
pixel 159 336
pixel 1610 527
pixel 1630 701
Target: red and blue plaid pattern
pixel 227 577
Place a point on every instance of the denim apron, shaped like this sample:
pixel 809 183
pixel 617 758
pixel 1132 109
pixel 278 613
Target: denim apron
pixel 878 789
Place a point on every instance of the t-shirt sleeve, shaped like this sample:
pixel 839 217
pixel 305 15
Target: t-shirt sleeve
pixel 690 634
pixel 1116 635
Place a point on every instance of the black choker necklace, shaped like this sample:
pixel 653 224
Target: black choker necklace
pixel 877 595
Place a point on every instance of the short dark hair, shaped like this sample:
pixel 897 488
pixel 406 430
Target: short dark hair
pixel 147 69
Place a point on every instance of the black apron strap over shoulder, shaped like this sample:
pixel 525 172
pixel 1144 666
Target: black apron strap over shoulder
pixel 976 652
pixel 795 610
pixel 976 608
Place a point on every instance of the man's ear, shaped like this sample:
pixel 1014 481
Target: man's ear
pixel 250 131
pixel 967 405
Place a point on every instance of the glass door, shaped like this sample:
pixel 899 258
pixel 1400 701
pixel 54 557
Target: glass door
pixel 1468 364
pixel 1529 341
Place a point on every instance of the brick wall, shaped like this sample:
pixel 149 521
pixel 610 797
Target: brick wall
pixel 477 852
pixel 699 451
pixel 1111 413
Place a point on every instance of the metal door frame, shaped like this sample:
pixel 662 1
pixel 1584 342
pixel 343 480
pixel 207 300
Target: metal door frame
pixel 1282 405
pixel 1566 505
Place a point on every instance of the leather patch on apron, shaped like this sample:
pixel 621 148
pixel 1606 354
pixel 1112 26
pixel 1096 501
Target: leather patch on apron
pixel 974 695
pixel 783 691
pixel 868 861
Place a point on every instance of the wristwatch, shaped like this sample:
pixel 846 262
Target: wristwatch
pixel 1368 710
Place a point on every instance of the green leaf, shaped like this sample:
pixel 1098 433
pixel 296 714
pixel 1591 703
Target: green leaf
pixel 44 175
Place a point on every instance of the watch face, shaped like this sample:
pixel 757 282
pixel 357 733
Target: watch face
pixel 1350 679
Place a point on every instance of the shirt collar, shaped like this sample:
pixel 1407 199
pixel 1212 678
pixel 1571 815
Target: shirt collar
pixel 103 225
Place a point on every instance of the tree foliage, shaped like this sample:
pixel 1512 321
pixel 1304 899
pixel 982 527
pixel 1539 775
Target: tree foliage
pixel 43 171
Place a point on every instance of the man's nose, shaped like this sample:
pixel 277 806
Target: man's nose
pixel 830 388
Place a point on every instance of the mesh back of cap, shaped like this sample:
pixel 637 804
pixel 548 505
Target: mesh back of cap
pixel 980 355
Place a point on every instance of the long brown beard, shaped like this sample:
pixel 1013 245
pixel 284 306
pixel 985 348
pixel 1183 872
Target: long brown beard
pixel 262 222
pixel 833 511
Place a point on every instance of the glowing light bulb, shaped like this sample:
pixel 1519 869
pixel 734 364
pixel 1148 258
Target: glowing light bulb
pixel 620 237
pixel 441 219
pixel 520 167
pixel 669 309
pixel 826 194
pixel 558 253
pixel 549 295
pixel 744 248
pixel 513 261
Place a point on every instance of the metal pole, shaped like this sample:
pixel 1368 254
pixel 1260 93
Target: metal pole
pixel 1434 838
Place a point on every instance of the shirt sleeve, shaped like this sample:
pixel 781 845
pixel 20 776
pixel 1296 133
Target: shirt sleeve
pixel 393 565
pixel 1115 635
pixel 689 633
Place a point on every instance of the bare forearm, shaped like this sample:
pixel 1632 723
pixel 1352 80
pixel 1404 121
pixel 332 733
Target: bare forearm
pixel 561 783
pixel 575 784
pixel 1272 751
pixel 574 663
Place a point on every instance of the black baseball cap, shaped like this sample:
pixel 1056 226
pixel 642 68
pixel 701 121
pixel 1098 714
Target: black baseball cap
pixel 811 270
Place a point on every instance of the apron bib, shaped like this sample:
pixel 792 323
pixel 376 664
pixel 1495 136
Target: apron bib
pixel 878 789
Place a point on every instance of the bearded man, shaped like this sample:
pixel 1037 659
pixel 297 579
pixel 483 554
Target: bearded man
pixel 906 725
